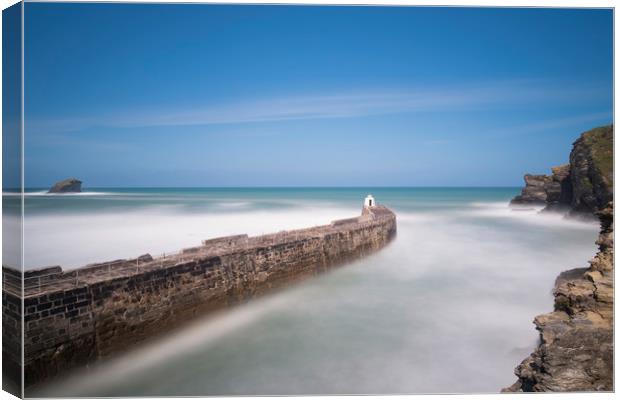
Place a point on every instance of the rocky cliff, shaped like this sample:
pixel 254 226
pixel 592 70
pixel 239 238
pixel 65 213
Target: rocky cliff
pixel 534 191
pixel 559 189
pixel 575 352
pixel 70 185
pixel 583 186
pixel 591 171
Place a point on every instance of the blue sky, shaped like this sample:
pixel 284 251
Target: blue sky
pixel 211 95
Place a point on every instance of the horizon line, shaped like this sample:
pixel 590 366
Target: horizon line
pixel 284 187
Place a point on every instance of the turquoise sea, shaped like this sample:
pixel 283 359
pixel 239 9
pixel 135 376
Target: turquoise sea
pixel 446 308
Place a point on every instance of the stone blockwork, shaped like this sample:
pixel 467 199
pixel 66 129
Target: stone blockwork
pixel 76 317
pixel 11 329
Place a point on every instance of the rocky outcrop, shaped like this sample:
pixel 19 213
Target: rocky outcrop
pixel 534 191
pixel 592 170
pixel 70 185
pixel 575 352
pixel 583 186
pixel 559 189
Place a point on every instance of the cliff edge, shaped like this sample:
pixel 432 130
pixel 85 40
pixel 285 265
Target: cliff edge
pixel 591 170
pixel 575 352
pixel 583 186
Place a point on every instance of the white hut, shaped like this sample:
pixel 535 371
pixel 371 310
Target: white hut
pixel 369 201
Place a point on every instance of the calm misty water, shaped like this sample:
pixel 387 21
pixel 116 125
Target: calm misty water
pixel 447 307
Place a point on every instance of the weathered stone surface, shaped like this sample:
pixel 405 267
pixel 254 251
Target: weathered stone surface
pixel 70 185
pixel 576 340
pixel 534 190
pixel 581 187
pixel 12 312
pixel 76 317
pixel 559 189
pixel 591 172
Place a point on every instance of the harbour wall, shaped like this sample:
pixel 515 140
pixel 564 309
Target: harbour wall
pixel 73 318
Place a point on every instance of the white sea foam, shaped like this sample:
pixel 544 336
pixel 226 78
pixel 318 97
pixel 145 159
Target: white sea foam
pixel 73 240
pixel 234 204
pixel 87 193
pixel 11 241
pixel 457 290
pixel 46 193
pixel 527 215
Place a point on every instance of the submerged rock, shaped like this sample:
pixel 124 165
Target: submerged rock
pixel 70 185
pixel 575 352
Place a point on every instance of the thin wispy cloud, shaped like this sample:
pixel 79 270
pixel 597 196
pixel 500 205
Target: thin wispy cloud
pixel 550 124
pixel 335 105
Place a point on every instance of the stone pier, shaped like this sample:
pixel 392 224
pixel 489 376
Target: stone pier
pixel 73 318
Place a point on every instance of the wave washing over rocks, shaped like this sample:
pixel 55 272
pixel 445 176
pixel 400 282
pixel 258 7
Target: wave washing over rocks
pixel 575 351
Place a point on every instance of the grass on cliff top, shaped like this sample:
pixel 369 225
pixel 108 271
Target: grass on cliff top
pixel 601 142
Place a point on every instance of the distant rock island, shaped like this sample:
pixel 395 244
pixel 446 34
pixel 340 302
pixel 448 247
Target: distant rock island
pixel 70 185
pixel 575 351
pixel 582 187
